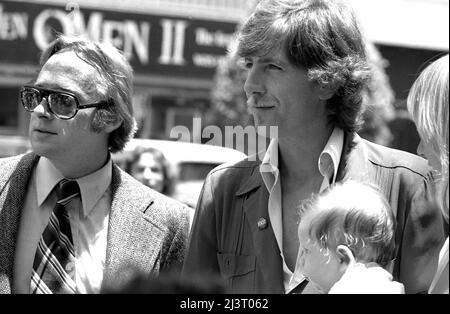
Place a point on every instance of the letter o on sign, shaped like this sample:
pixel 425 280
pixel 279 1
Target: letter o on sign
pixel 41 33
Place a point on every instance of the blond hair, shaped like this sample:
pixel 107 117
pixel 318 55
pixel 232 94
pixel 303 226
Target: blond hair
pixel 353 214
pixel 428 104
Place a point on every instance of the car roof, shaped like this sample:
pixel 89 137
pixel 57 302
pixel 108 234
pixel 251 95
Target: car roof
pixel 11 145
pixel 178 152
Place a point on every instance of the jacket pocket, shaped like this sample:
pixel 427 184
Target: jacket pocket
pixel 239 271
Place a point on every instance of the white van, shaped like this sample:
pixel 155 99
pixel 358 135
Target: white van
pixel 190 163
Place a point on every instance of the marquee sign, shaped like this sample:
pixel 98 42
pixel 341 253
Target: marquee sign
pixel 160 45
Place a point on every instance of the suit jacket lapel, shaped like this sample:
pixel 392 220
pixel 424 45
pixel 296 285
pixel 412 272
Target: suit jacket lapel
pixel 135 235
pixel 256 199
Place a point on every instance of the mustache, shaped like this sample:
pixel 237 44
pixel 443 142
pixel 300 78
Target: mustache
pixel 254 102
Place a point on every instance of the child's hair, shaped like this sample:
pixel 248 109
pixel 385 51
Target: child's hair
pixel 353 214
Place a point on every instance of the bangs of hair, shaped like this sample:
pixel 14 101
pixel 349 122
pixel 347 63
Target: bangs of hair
pixel 314 31
pixel 262 33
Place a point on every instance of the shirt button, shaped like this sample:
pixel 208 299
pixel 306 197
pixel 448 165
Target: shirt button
pixel 262 223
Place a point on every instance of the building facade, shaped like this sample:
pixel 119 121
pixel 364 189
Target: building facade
pixel 173 46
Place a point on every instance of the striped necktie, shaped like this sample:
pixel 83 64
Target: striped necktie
pixel 54 261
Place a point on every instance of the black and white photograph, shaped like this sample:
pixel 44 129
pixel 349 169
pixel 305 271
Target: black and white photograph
pixel 224 155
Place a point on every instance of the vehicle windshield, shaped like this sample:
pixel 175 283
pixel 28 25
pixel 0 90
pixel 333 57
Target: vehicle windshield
pixel 192 171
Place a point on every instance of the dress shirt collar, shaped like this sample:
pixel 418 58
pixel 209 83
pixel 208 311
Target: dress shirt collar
pixel 328 162
pixel 47 176
pixel 92 186
pixel 270 165
pixel 330 157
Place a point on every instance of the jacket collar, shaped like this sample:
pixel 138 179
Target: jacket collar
pixel 252 182
pixel 354 159
pixel 352 165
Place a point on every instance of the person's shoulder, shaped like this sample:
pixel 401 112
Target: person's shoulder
pixel 231 175
pixel 9 164
pixel 162 207
pixel 236 168
pixel 387 157
pixel 14 160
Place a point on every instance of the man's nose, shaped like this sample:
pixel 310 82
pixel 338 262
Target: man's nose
pixel 148 174
pixel 42 109
pixel 254 83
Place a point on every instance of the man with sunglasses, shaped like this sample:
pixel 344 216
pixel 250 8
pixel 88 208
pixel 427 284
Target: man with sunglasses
pixel 70 220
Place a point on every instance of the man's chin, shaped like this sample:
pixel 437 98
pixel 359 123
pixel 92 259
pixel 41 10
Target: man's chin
pixel 42 149
pixel 267 130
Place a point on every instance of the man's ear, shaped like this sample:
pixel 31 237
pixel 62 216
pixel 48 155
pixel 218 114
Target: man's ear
pixel 326 92
pixel 111 126
pixel 345 255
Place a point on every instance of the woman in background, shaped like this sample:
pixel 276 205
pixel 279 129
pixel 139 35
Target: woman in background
pixel 150 167
pixel 428 105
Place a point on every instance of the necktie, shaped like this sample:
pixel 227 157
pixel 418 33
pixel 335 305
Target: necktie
pixel 54 261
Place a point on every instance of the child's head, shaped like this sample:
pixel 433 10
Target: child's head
pixel 349 222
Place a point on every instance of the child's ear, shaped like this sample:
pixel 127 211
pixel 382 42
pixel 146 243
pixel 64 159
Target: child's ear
pixel 345 255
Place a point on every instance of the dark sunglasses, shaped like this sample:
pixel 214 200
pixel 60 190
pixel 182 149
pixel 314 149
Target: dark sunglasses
pixel 63 105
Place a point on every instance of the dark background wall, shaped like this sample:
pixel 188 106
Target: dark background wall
pixel 405 64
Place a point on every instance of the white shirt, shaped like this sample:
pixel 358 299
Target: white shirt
pixel 89 224
pixel 328 165
pixel 367 278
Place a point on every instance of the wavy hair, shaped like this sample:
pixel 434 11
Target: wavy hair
pixel 356 215
pixel 321 36
pixel 428 104
pixel 116 87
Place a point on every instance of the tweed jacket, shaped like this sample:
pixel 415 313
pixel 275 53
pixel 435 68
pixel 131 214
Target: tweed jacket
pixel 227 238
pixel 147 231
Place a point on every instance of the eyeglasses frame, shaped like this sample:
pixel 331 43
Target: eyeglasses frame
pixel 45 92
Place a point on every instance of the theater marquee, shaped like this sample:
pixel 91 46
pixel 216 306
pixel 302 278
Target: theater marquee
pixel 154 44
